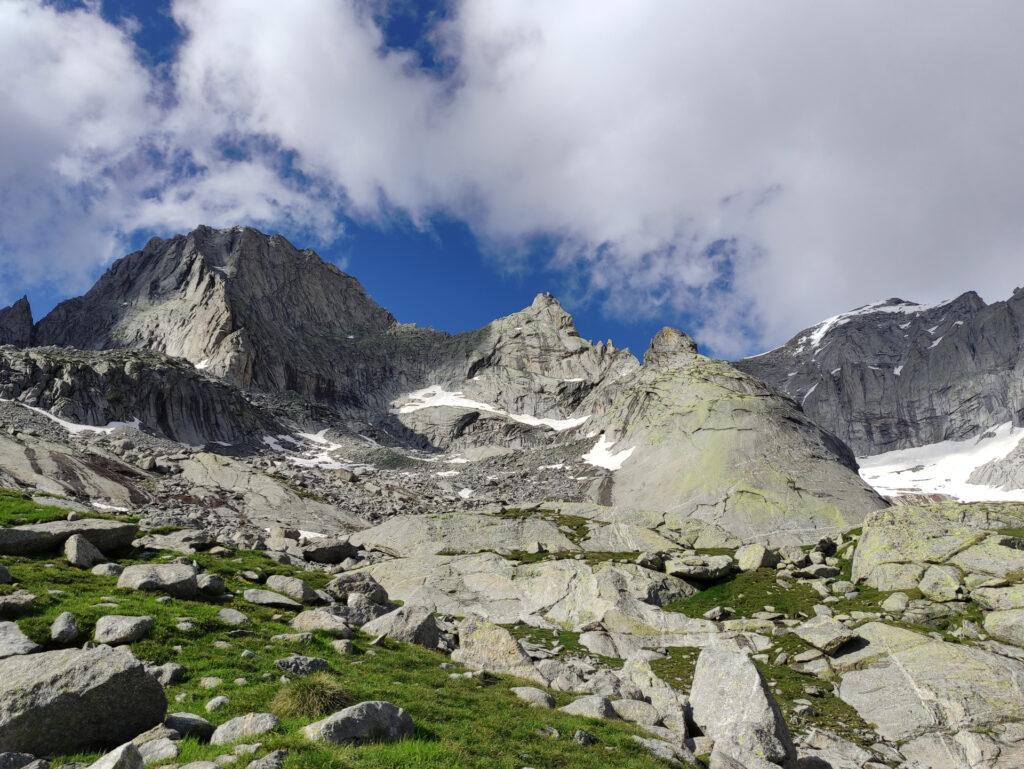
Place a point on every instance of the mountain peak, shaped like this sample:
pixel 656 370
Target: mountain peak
pixel 16 323
pixel 670 346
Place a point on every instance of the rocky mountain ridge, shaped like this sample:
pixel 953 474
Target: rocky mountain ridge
pixel 259 351
pixel 895 374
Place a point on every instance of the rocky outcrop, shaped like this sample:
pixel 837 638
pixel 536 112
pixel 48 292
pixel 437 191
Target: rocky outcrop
pixel 896 374
pixel 694 436
pixel 16 324
pixel 123 387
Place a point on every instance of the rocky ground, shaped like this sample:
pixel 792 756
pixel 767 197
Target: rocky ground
pixel 510 637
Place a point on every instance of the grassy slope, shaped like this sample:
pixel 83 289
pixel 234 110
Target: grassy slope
pixel 460 722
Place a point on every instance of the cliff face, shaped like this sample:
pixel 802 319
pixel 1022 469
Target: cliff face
pixel 121 386
pixel 895 374
pixel 16 324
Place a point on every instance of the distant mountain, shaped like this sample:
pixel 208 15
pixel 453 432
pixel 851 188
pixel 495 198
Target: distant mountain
pixel 895 374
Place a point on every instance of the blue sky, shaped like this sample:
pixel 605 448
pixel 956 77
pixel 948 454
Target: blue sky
pixel 738 170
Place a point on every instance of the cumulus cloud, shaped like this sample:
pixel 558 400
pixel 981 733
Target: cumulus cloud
pixel 752 166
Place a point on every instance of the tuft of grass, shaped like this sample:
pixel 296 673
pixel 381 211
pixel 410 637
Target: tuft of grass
pixel 312 696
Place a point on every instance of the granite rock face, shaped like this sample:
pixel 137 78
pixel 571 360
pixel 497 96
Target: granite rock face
pixel 706 441
pixel 16 324
pixel 896 374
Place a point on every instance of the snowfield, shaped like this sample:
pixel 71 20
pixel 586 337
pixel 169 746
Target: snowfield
pixel 943 468
pixel 601 455
pixel 436 395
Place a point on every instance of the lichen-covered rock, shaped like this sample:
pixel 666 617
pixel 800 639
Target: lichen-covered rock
pixel 486 646
pixel 13 641
pixel 824 633
pixel 409 624
pixel 176 579
pixel 115 629
pixel 373 721
pixel 242 727
pixel 71 700
pixel 733 705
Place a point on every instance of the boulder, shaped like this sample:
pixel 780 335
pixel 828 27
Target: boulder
pixel 732 704
pixel 107 536
pixel 942 583
pixel 357 582
pixel 127 756
pixel 323 620
pixel 71 700
pixel 293 587
pixel 408 624
pixel 489 647
pixel 270 598
pixel 160 749
pixel 533 696
pixel 5 576
pixel 14 642
pixel 300 665
pixel 116 629
pixel 373 721
pixel 999 598
pixel 329 551
pixel 82 553
pixel 824 633
pixel 590 706
pixel 273 760
pixel 249 725
pixel 705 568
pixel 190 725
pixel 232 617
pixel 175 579
pixel 1006 626
pixel 18 602
pixel 64 629
pixel 755 556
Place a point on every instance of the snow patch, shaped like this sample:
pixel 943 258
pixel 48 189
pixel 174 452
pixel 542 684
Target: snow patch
pixel 109 508
pixel 73 427
pixel 601 455
pixel 898 370
pixel 466 493
pixel 935 343
pixel 808 393
pixel 204 363
pixel 447 473
pixel 944 467
pixel 817 333
pixel 436 395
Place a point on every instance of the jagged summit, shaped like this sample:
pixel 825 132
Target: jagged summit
pixel 16 323
pixel 897 374
pixel 670 346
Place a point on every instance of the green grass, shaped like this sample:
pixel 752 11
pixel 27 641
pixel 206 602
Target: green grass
pixel 748 592
pixel 460 722
pixel 18 509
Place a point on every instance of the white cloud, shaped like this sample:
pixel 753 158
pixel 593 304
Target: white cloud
pixel 848 151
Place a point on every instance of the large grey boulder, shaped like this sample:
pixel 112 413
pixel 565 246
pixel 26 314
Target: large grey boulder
pixel 293 587
pixel 64 629
pixel 409 624
pixel 80 552
pixel 824 633
pixel 16 603
pixel 128 756
pixel 190 725
pixel 71 700
pixel 732 704
pixel 242 727
pixel 175 579
pixel 312 620
pixel 373 721
pixel 1006 626
pixel 14 642
pixel 590 706
pixel 270 598
pixel 116 629
pixel 489 647
pixel 300 665
pixel 107 536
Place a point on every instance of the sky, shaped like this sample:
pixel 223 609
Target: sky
pixel 735 168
